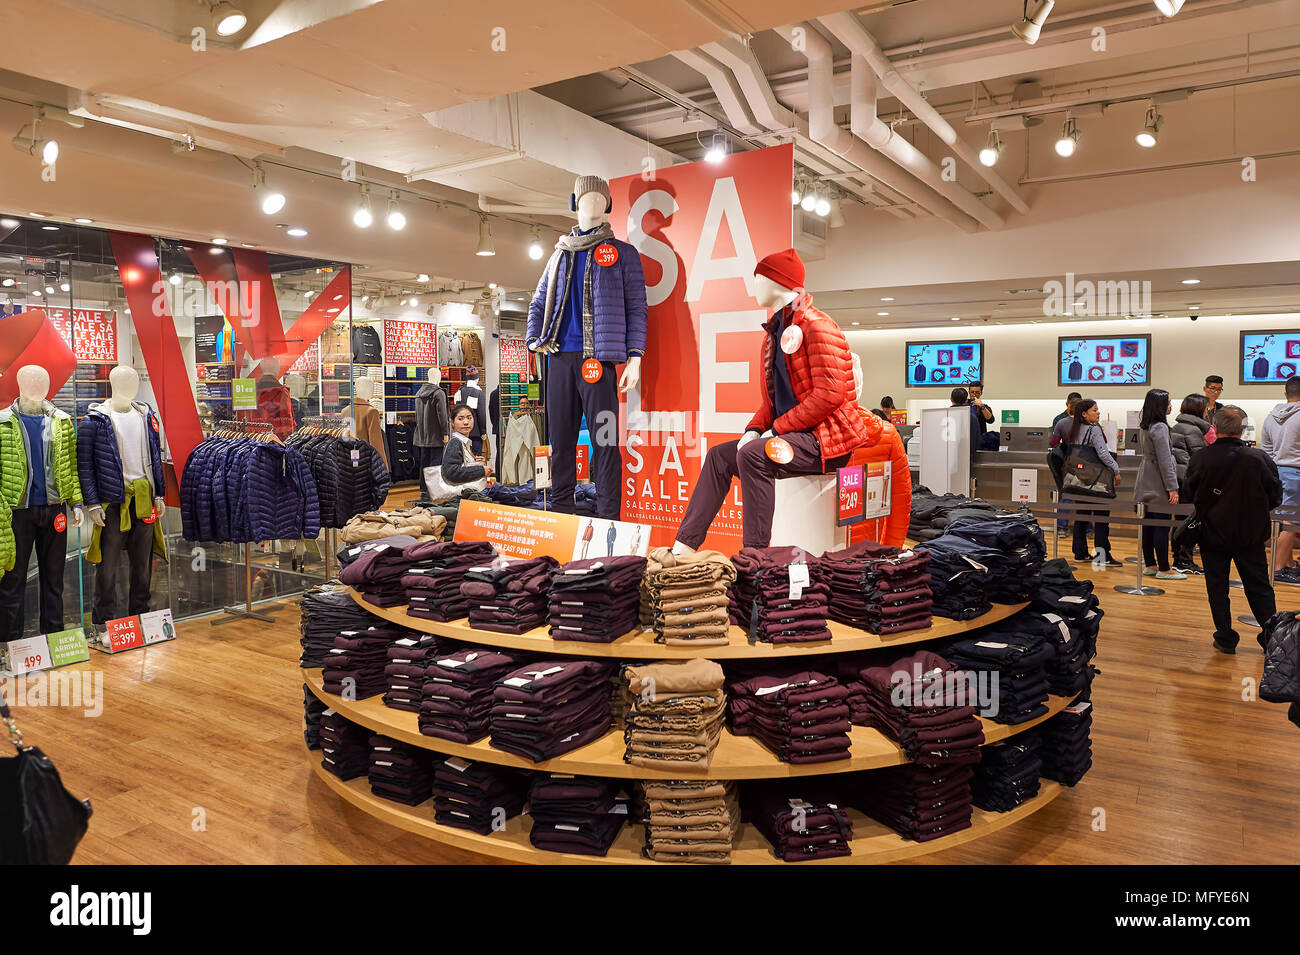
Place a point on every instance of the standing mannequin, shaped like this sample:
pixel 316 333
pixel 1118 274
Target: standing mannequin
pixel 274 401
pixel 471 394
pixel 119 462
pixel 297 386
pixel 38 445
pixel 368 427
pixel 588 315
pixel 432 427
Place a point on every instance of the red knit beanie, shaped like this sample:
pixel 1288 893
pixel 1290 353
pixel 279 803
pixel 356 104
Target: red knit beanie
pixel 783 268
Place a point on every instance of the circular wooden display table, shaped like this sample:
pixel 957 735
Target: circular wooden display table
pixel 640 645
pixel 871 843
pixel 736 757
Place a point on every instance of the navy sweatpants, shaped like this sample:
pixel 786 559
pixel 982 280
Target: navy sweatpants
pixel 568 397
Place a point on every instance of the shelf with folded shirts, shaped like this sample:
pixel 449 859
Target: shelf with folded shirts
pixel 736 757
pixel 640 645
pixel 873 843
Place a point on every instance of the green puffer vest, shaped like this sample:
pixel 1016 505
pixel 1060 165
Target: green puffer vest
pixel 13 460
pixel 13 456
pixel 8 550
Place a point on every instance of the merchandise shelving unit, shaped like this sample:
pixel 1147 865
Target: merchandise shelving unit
pixel 735 758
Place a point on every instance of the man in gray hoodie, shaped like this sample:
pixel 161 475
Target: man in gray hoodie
pixel 1280 439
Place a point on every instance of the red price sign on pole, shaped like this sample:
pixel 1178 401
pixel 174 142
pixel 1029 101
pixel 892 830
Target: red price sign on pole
pixel 851 484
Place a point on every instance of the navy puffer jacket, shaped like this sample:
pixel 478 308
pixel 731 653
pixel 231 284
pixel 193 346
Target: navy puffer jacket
pixel 619 311
pixel 99 463
pixel 246 490
pixel 351 479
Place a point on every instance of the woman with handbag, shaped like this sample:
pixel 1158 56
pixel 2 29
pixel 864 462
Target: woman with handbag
pixel 1188 435
pixel 1157 484
pixel 1084 442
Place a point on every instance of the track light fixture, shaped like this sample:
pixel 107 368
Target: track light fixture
pixel 485 246
pixel 717 148
pixel 1030 24
pixel 1069 141
pixel 396 218
pixel 1149 135
pixel 535 250
pixel 823 207
pixel 227 20
pixel 809 201
pixel 33 145
pixel 992 149
pixel 269 199
pixel 363 218
pixel 796 193
pixel 1169 8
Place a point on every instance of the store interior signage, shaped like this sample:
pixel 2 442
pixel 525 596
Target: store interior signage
pixel 1104 361
pixel 944 364
pixel 1270 356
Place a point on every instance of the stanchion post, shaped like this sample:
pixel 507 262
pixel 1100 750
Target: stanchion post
pixel 1141 590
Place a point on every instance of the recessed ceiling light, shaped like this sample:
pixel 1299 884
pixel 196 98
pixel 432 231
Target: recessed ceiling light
pixel 1191 281
pixel 337 297
pixel 307 294
pixel 956 318
pixel 10 223
pixel 50 228
pixel 423 277
pixel 215 249
pixel 882 314
pixel 37 215
pixel 248 245
pixel 886 298
pixel 82 220
pixel 297 232
pixel 331 310
pixel 218 240
pixel 65 286
pixel 49 290
pixel 176 278
pixel 7 283
pixel 36 292
pixel 1193 307
pixel 857 323
pixel 492 284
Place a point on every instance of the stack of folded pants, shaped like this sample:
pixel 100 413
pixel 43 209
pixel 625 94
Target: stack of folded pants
pixel 1074 601
pixel 802 820
pixel 779 595
pixel 960 578
pixel 675 713
pixel 543 709
pixel 932 513
pixel 405 670
pixel 595 600
pixel 923 703
pixel 691 820
pixel 1065 743
pixel 477 796
pixel 802 716
pixel 918 802
pixel 312 708
pixel 508 596
pixel 1008 774
pixel 878 588
pixel 354 667
pixel 400 772
pixel 1068 671
pixel 577 814
pixel 684 597
pixel 345 746
pixel 327 610
pixel 457 698
pixel 1018 659
pixel 377 573
pixel 433 580
pixel 1018 541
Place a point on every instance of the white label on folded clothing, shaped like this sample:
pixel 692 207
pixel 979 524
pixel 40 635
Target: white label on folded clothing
pixel 1091 614
pixel 974 563
pixel 1080 707
pixel 450 663
pixel 619 809
pixel 516 716
pixel 405 642
pixel 516 681
pixel 380 762
pixel 1073 600
pixel 771 689
pixel 562 776
pixel 458 764
pixel 798 580
pixel 991 645
pixel 1065 630
pixel 568 828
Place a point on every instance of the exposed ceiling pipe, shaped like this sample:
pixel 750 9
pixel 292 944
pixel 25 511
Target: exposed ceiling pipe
pixel 724 87
pixel 849 30
pixel 538 210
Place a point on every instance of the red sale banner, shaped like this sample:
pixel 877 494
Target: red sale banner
pixel 700 228
pixel 410 343
pixel 514 356
pixel 310 360
pixel 91 332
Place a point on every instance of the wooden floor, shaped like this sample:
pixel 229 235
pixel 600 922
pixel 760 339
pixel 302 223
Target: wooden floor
pixel 198 756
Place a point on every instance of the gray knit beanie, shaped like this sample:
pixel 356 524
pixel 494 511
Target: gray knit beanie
pixel 585 184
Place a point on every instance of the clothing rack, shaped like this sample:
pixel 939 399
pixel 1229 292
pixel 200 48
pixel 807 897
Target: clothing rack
pixel 341 426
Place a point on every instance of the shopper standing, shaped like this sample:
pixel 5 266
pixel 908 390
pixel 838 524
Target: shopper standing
pixel 1157 484
pixel 1280 439
pixel 1061 426
pixel 1234 488
pixel 1187 437
pixel 960 398
pixel 982 412
pixel 1213 391
pixel 1070 399
pixel 1084 430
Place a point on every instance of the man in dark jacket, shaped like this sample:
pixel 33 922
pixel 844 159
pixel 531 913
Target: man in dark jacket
pixel 1234 488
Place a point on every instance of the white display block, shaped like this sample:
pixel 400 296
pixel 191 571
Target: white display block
pixel 1024 485
pixel 807 509
pixel 945 450
pixel 1110 428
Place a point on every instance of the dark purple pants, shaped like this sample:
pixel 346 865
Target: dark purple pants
pixel 757 473
pixel 568 397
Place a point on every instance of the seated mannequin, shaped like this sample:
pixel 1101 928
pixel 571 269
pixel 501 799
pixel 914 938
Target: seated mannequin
pixel 808 401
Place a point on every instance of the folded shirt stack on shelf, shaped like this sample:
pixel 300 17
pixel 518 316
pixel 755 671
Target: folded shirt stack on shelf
pixel 1019 661
pixel 377 573
pixel 433 579
pixel 345 746
pixel 1068 670
pixel 327 610
pixel 1017 540
pixel 408 659
pixel 690 820
pixel 878 588
pixel 1065 743
pixel 312 708
pixel 802 820
pixel 932 513
pixel 595 600
pixel 400 772
pixel 1008 774
pixel 779 595
pixel 546 708
pixel 1074 602
pixel 960 579
pixel 675 713
pixel 479 797
pixel 508 596
pixel 923 703
pixel 800 715
pixel 921 803
pixel 457 695
pixel 684 597
pixel 354 666
pixel 577 814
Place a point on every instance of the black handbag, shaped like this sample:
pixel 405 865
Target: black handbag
pixel 1188 534
pixel 1084 473
pixel 41 823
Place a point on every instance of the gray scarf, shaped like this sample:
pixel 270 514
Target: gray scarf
pixel 567 245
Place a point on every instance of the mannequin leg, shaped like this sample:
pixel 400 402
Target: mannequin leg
pixel 51 551
pixel 758 474
pixel 600 402
pixel 13 587
pixel 563 416
pixel 111 557
pixel 139 551
pixel 710 491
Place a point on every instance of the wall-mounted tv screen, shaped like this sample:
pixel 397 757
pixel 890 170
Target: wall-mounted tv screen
pixel 944 364
pixel 1104 361
pixel 1269 356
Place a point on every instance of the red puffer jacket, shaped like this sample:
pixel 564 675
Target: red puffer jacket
pixel 821 376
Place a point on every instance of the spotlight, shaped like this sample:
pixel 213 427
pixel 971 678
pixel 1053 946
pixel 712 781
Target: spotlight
pixel 227 20
pixel 176 278
pixel 81 220
pixel 1150 132
pixel 219 241
pixel 297 232
pixel 36 292
pixel 414 301
pixel 363 217
pixel 485 246
pixel 396 219
pixel 10 223
pixel 307 294
pixel 37 215
pixel 1069 140
pixel 8 283
pixel 49 290
pixel 270 200
pixel 1169 8
pixel 422 277
pixel 535 250
pixel 823 207
pixel 717 150
pixel 33 145
pixel 1030 24
pixel 795 196
pixel 809 201
pixel 65 286
pixel 992 149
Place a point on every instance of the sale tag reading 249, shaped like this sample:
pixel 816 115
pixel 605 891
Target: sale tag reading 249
pixel 592 371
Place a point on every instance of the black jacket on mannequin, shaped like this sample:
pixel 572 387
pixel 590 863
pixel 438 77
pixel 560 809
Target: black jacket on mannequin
pixel 431 423
pixel 467 392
